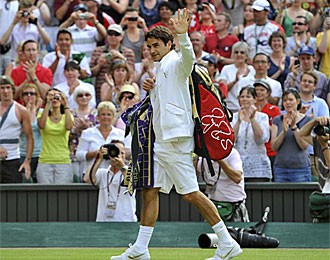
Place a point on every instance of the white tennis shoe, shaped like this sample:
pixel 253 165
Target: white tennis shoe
pixel 227 252
pixel 131 253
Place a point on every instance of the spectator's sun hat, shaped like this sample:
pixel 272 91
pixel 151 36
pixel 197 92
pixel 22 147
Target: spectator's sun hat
pixel 263 83
pixel 80 7
pixel 5 80
pixel 116 28
pixel 210 58
pixel 306 50
pixel 127 88
pixel 261 5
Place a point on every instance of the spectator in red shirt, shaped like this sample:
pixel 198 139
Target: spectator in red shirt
pixel 207 16
pixel 31 71
pixel 63 9
pixel 263 91
pixel 220 44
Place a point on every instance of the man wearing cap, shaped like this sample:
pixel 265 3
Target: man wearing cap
pixel 31 71
pixel 301 37
pixel 220 44
pixel 85 37
pixel 103 56
pixel 263 91
pixel 306 62
pixel 14 119
pixel 57 59
pixel 257 35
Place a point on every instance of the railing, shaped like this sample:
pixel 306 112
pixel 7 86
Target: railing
pixel 78 202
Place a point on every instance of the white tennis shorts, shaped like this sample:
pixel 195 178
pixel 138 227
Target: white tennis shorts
pixel 173 165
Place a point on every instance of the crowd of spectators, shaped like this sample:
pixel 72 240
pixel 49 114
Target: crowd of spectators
pixel 78 64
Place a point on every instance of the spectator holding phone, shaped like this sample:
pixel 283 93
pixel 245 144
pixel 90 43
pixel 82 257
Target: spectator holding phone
pixel 134 34
pixel 103 56
pixel 84 36
pixel 115 204
pixel 25 26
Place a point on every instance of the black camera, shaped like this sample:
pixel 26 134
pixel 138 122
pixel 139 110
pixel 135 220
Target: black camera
pixel 25 14
pixel 200 7
pixel 246 239
pixel 322 130
pixel 113 151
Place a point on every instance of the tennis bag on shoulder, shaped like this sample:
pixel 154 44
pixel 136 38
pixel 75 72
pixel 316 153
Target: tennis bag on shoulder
pixel 214 136
pixel 319 206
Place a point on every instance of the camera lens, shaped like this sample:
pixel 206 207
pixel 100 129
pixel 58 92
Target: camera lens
pixel 322 130
pixel 113 151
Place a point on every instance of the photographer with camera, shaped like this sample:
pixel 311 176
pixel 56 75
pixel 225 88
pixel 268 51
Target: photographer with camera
pixel 85 37
pixel 317 133
pixel 25 26
pixel 114 203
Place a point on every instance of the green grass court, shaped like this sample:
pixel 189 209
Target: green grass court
pixel 170 241
pixel 160 254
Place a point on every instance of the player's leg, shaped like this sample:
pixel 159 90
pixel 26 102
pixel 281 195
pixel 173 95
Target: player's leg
pixel 228 247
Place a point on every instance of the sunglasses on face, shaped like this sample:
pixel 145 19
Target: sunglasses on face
pixel 239 52
pixel 113 33
pixel 132 19
pixel 83 95
pixel 28 93
pixel 130 97
pixel 298 23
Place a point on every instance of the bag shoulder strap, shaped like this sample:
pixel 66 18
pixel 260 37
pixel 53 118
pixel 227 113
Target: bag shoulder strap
pixel 4 117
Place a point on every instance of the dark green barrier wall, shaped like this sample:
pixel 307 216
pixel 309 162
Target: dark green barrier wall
pixel 78 202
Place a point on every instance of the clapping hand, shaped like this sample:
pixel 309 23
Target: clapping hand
pixel 29 67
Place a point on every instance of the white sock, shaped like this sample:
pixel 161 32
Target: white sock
pixel 224 237
pixel 142 242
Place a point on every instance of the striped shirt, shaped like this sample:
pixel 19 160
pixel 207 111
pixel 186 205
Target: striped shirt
pixel 84 40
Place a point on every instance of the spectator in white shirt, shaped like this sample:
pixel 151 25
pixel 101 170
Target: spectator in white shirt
pixel 85 37
pixel 71 72
pixel 57 59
